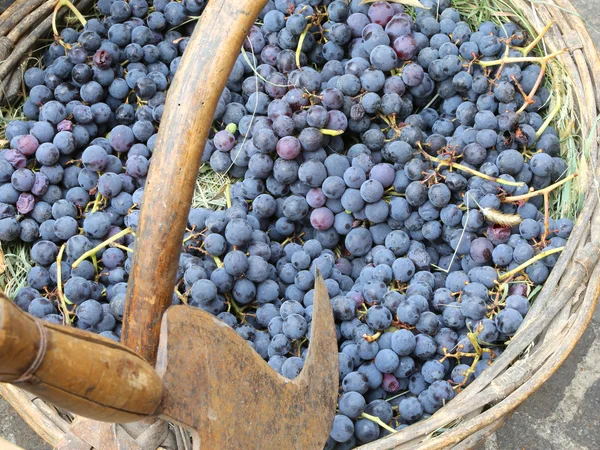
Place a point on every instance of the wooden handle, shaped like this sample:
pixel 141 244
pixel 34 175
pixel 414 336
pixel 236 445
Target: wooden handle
pixel 76 370
pixel 191 102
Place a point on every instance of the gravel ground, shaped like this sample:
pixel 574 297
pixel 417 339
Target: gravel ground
pixel 561 415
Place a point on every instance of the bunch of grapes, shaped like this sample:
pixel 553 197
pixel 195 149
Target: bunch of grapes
pixel 401 157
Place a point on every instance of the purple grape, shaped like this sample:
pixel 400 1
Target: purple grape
pixel 15 158
pixel 25 203
pixel 27 144
pixel 315 198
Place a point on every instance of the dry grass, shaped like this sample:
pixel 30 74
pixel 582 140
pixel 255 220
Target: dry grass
pixel 210 189
pixel 14 265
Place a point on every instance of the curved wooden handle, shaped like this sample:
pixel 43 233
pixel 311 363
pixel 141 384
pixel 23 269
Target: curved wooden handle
pixel 193 96
pixel 76 370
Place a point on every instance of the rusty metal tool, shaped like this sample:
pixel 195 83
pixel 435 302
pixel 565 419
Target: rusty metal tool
pixel 207 378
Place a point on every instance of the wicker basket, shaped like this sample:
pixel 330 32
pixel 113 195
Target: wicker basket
pixel 551 329
pixel 22 26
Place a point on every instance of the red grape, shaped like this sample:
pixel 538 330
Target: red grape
pixel 288 147
pixel 390 383
pixel 518 289
pixel 315 198
pixel 381 13
pixel 322 219
pixel 498 234
pixel 102 59
pixel 224 140
pixel 405 47
pixel 16 158
pixel 27 144
pixel 400 25
pixel 25 203
pixel 65 125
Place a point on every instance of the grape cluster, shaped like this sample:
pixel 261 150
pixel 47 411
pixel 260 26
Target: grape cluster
pixel 396 155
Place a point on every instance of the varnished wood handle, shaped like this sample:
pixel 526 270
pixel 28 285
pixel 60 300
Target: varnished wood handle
pixel 193 96
pixel 76 370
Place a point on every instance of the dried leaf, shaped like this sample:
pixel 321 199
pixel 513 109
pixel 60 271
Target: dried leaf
pixel 495 216
pixel 415 3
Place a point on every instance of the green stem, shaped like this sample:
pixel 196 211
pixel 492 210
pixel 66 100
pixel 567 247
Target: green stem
pixel 378 421
pixel 368 338
pixel 397 395
pixel 300 42
pixel 61 296
pixel 531 194
pixel 74 10
pixel 539 59
pixel 97 200
pixel 100 246
pixel 122 247
pixel 331 132
pixel 536 41
pixel 236 309
pixel 549 119
pixel 526 264
pixel 458 166
pixel 95 262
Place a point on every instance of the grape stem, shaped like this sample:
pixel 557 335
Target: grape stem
pixel 529 262
pixel 516 198
pixel 396 396
pixel 536 41
pixel 122 247
pixel 236 309
pixel 228 195
pixel 378 421
pixel 95 263
pixel 473 339
pixel 529 98
pixel 100 246
pixel 331 132
pixel 180 296
pixel 218 261
pixel 97 202
pixel 61 296
pixel 549 119
pixel 373 338
pixel 300 43
pixel 455 165
pixel 74 10
pixel 511 60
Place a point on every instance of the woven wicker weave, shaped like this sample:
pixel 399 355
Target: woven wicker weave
pixel 551 330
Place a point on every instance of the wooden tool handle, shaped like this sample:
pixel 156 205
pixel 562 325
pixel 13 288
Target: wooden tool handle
pixel 76 370
pixel 193 96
